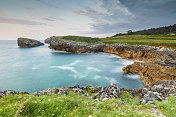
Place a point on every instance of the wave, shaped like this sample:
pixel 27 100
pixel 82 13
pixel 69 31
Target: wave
pixel 132 76
pixel 111 80
pixel 97 77
pixel 93 69
pixel 74 63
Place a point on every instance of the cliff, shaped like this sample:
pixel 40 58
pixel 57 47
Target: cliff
pixel 156 64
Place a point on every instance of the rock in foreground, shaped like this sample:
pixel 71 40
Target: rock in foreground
pixel 28 43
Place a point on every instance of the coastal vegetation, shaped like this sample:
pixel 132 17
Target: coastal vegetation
pixel 77 105
pixel 153 40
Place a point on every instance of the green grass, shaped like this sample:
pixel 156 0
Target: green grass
pixel 155 40
pixel 78 39
pixel 75 105
pixel 168 108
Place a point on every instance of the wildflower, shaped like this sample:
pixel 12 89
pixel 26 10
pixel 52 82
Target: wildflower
pixel 56 107
pixel 52 114
pixel 35 101
pixel 90 115
pixel 172 108
pixel 49 99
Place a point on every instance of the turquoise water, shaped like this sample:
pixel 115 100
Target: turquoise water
pixel 34 69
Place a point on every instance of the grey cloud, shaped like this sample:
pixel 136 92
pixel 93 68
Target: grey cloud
pixel 53 19
pixel 114 16
pixel 19 21
pixel 49 4
pixel 109 13
pixel 28 7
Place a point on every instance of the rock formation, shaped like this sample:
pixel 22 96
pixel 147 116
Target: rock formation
pixel 156 65
pixel 47 41
pixel 10 92
pixel 159 90
pixel 111 91
pixel 28 43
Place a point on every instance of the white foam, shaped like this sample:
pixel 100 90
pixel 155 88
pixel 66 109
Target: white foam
pixel 97 77
pixel 93 69
pixel 74 63
pixel 111 80
pixel 133 76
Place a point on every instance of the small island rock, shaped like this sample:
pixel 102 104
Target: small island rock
pixel 28 43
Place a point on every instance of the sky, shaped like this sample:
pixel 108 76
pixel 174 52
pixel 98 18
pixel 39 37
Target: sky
pixel 40 19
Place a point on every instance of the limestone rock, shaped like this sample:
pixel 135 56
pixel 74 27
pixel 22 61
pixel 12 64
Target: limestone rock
pixel 47 41
pixel 111 91
pixel 28 43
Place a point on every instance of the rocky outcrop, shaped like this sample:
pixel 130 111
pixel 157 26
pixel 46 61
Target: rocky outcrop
pixel 156 64
pixel 28 43
pixel 151 72
pixel 10 92
pixel 47 41
pixel 111 91
pixel 75 47
pixel 102 94
pixel 159 90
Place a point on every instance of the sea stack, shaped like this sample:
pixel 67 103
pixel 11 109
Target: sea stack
pixel 28 43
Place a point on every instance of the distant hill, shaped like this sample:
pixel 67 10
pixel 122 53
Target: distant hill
pixel 157 31
pixel 153 31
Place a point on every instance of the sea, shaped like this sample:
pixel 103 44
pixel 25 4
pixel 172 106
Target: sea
pixel 38 68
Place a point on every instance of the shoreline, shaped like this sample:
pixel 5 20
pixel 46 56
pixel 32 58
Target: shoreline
pixel 157 64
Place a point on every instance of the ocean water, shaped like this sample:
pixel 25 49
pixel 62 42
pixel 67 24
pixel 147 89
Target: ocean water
pixel 34 69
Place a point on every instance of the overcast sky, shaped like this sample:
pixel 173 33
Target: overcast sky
pixel 40 19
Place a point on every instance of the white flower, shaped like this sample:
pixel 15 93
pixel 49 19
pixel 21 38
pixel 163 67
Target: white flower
pixel 90 115
pixel 52 114
pixel 172 108
pixel 57 108
pixel 49 99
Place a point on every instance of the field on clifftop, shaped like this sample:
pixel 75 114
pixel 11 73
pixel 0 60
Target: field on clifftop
pixel 81 106
pixel 153 40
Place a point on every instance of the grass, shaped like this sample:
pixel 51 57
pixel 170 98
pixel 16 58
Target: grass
pixel 78 39
pixel 75 105
pixel 154 40
pixel 157 40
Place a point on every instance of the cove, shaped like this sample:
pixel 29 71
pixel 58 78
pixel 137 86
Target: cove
pixel 34 69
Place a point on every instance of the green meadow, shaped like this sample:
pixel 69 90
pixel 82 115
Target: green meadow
pixel 153 40
pixel 76 105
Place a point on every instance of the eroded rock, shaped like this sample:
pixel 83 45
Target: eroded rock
pixel 28 43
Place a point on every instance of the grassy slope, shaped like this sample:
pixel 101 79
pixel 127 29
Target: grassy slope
pixel 160 40
pixel 157 40
pixel 80 106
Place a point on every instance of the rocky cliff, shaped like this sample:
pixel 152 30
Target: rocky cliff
pixel 156 64
pixel 28 43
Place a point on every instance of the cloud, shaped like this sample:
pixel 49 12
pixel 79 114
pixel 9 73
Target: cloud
pixel 47 4
pixel 114 16
pixel 53 19
pixel 19 21
pixel 28 7
pixel 107 14
pixel 48 19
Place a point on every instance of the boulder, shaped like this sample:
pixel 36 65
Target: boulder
pixel 28 43
pixel 111 91
pixel 159 90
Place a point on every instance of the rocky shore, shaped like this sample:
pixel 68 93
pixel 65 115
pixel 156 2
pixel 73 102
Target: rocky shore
pixel 157 64
pixel 28 43
pixel 159 90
